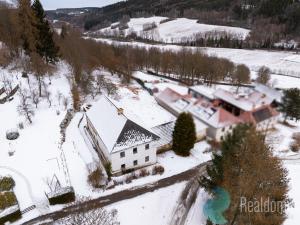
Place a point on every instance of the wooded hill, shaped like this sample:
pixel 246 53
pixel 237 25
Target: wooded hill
pixel 245 13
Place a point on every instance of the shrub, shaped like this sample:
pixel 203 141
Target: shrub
pixel 128 179
pixel 6 184
pixel 295 145
pixel 95 178
pixel 7 199
pixel 158 170
pixel 108 170
pixel 144 173
pixel 21 125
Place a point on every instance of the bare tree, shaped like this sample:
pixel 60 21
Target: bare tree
pixel 7 84
pixel 241 75
pixel 47 94
pixel 263 75
pixel 59 97
pixel 35 97
pixel 111 89
pixel 25 108
pixel 65 102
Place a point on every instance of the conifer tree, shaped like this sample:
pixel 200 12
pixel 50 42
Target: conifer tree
pixel 247 169
pixel 27 24
pixel 290 104
pixel 46 46
pixel 184 134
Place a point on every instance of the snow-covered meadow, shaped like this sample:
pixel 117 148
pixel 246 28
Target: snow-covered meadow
pixel 172 31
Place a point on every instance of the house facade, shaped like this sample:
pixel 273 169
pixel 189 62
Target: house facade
pixel 119 140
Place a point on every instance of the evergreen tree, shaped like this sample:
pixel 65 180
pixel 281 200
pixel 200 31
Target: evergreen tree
pixel 27 24
pixel 184 134
pixel 290 104
pixel 247 169
pixel 46 46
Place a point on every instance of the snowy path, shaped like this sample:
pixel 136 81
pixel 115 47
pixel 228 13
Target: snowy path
pixel 122 195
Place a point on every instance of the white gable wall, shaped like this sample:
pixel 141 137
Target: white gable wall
pixel 128 160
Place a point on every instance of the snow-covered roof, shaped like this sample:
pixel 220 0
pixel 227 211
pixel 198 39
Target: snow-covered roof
pixel 216 117
pixel 165 132
pixel 8 211
pixel 268 91
pixel 115 130
pixel 247 101
pixel 203 110
pixel 204 91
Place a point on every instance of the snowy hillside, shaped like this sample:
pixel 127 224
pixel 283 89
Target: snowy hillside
pixel 172 31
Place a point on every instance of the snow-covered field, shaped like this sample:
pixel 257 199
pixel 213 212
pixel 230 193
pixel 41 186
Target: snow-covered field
pixel 173 31
pixel 279 62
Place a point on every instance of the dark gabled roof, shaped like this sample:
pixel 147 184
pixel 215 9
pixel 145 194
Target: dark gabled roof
pixel 132 134
pixel 262 115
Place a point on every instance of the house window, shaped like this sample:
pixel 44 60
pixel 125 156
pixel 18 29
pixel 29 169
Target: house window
pixel 147 146
pixel 223 129
pixel 135 162
pixel 222 138
pixel 134 150
pixel 147 159
pixel 123 166
pixel 122 154
pixel 230 127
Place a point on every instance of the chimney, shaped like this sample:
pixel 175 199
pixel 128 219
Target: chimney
pixel 120 111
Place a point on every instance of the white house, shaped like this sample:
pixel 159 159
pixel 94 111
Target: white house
pixel 119 140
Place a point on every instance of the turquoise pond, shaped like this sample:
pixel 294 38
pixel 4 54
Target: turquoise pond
pixel 214 208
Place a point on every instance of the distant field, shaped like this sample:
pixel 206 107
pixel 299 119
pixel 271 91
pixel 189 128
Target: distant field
pixel 173 31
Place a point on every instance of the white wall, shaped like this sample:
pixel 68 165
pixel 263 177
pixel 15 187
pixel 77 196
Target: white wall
pixel 117 161
pixel 267 124
pixel 222 132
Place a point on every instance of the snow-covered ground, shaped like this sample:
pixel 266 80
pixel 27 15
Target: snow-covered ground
pixel 154 208
pixel 173 31
pixel 38 156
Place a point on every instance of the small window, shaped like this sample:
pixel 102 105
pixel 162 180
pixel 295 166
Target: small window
pixel 135 162
pixel 147 159
pixel 147 146
pixel 123 166
pixel 223 129
pixel 230 127
pixel 122 154
pixel 134 150
pixel 222 138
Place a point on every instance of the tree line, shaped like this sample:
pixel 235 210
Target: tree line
pixel 28 37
